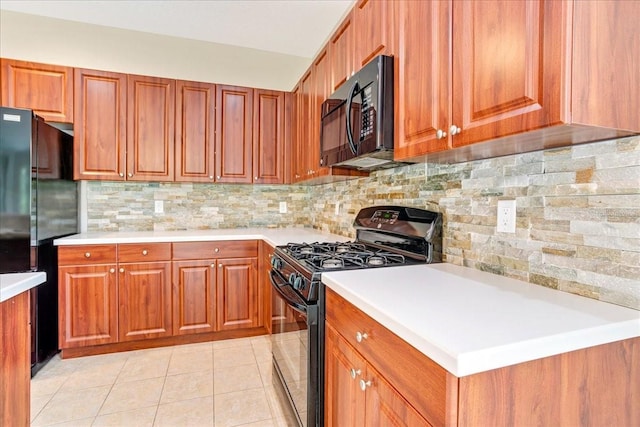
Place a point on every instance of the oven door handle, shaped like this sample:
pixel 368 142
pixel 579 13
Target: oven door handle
pixel 287 293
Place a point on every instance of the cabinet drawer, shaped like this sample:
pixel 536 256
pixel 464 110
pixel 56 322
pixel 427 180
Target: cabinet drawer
pixel 86 254
pixel 143 252
pixel 219 249
pixel 427 386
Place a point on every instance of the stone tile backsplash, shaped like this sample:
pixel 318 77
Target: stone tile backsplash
pixel 578 212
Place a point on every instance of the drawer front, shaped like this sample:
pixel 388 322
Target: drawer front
pixel 212 250
pixel 143 252
pixel 427 386
pixel 86 254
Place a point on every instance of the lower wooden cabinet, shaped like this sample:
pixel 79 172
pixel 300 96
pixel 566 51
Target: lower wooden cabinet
pixel 194 296
pixel 238 294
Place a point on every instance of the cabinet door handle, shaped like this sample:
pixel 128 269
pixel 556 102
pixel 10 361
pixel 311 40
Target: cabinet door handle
pixel 216 250
pixel 210 176
pixel 364 384
pixel 112 270
pixel 213 266
pixel 144 252
pixel 355 373
pixel 218 177
pixel 219 265
pixel 121 174
pixel 121 270
pixel 361 336
pixel 129 174
pixel 440 134
pixel 454 130
pixel 87 254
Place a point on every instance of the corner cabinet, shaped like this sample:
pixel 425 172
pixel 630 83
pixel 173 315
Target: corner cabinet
pixel 365 384
pixel 47 89
pixel 150 128
pixel 517 78
pixel 100 132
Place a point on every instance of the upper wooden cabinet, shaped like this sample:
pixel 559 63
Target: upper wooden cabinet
pixel 234 136
pixel 150 128
pixel 195 132
pixel 268 136
pixel 523 76
pixel 373 30
pixel 100 131
pixel 341 50
pixel 46 89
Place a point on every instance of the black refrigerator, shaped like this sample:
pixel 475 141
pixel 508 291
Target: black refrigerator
pixel 38 203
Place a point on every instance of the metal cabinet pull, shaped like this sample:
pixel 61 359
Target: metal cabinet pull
pixel 121 270
pixel 144 252
pixel 454 130
pixel 129 174
pixel 364 384
pixel 121 174
pixel 112 270
pixel 440 134
pixel 87 254
pixel 355 373
pixel 216 250
pixel 360 336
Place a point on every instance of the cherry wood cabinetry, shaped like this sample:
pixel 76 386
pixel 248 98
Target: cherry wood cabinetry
pixel 150 128
pixel 144 291
pixel 100 131
pixel 341 50
pixel 194 303
pixel 374 30
pixel 47 89
pixel 556 390
pixel 512 77
pixel 265 253
pixel 87 295
pixel 234 134
pixel 195 131
pixel 268 137
pixel 15 361
pixel 238 295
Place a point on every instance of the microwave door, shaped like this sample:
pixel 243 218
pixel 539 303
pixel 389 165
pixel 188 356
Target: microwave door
pixel 352 93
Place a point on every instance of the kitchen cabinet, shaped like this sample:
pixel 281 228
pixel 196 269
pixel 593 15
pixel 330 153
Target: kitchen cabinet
pixel 47 89
pixel 150 128
pixel 144 291
pixel 373 22
pixel 342 51
pixel 517 79
pixel 100 131
pixel 87 295
pixel 234 134
pixel 319 93
pixel 15 361
pixel 195 132
pixel 303 128
pixel 265 253
pixel 555 390
pixel 215 286
pixel 268 137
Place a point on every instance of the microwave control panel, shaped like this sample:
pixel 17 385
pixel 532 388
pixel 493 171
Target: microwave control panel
pixel 368 113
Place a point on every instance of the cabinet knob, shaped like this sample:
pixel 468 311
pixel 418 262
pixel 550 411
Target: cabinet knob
pixel 355 373
pixel 364 384
pixel 112 270
pixel 129 174
pixel 454 130
pixel 440 134
pixel 121 174
pixel 213 266
pixel 121 270
pixel 219 265
pixel 87 254
pixel 216 250
pixel 144 252
pixel 218 177
pixel 255 178
pixel 360 336
pixel 210 176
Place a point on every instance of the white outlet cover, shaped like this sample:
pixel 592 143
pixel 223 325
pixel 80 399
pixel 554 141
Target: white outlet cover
pixel 159 206
pixel 506 221
pixel 283 207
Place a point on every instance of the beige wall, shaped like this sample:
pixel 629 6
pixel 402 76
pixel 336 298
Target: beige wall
pixel 55 41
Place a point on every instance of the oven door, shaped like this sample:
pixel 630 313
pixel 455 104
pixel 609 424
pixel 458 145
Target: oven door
pixel 294 343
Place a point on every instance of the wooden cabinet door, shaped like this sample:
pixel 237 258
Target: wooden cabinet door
pixel 234 135
pixel 46 89
pixel 320 92
pixel 100 131
pixel 303 128
pixel 88 305
pixel 507 67
pixel 344 402
pixel 195 129
pixel 194 296
pixel 342 53
pixel 238 296
pixel 144 295
pixel 264 282
pixel 423 69
pixel 268 137
pixel 374 30
pixel 150 128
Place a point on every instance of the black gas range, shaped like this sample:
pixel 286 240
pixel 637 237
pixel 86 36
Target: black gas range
pixel 386 236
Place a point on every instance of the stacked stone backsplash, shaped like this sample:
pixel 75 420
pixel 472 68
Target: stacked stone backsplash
pixel 578 212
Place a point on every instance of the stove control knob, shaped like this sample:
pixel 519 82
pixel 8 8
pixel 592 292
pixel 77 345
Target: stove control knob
pixel 276 263
pixel 298 283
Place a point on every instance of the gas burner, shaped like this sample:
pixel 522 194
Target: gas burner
pixel 376 260
pixel 340 249
pixel 332 263
pixel 306 250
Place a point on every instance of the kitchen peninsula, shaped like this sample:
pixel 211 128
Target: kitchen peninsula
pixel 15 360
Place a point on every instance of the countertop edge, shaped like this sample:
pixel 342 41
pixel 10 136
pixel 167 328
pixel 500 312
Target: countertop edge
pixel 12 284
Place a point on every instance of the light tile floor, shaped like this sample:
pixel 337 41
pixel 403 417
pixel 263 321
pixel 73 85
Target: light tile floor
pixel 221 383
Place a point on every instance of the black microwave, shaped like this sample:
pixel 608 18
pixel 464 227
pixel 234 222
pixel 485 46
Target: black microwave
pixel 357 119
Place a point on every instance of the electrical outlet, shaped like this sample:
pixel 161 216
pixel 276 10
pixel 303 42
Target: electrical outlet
pixel 337 208
pixel 159 206
pixel 283 207
pixel 506 216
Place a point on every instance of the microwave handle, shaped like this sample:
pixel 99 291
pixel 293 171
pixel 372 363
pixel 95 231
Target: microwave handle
pixel 352 92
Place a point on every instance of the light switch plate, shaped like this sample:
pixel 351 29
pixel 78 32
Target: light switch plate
pixel 506 216
pixel 283 207
pixel 159 206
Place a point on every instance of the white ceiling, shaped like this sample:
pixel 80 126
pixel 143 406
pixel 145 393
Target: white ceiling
pixel 292 27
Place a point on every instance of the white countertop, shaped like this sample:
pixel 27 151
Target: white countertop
pixel 469 321
pixel 273 236
pixel 12 284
